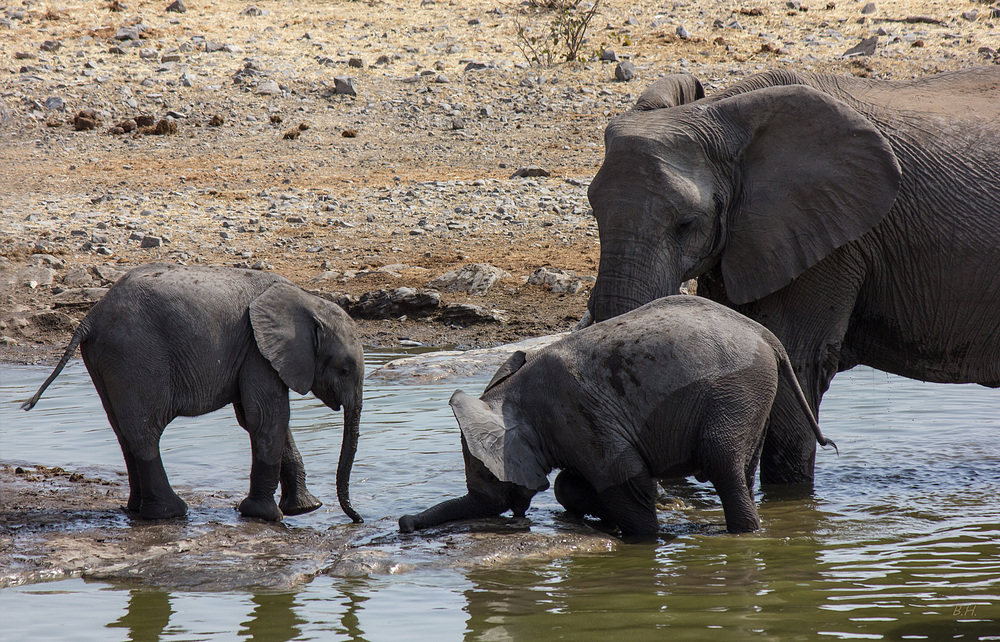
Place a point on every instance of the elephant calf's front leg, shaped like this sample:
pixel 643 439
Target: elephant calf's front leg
pixel 267 442
pixel 295 497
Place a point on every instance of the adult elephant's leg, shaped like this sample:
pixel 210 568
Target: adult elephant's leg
pixel 630 503
pixel 295 497
pixel 810 317
pixel 266 421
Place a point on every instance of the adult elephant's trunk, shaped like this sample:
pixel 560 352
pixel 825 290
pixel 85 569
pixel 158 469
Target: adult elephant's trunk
pixel 468 506
pixel 627 281
pixel 352 428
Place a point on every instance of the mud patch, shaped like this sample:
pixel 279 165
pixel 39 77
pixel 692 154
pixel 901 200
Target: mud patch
pixel 57 524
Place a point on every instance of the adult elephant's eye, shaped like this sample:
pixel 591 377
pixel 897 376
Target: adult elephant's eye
pixel 684 226
pixel 345 369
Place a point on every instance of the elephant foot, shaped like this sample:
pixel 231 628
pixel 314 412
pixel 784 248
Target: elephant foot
pixel 264 509
pixel 302 502
pixel 163 509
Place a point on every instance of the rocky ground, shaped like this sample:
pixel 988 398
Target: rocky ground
pixel 363 147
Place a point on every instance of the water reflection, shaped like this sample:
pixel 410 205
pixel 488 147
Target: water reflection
pixel 147 615
pixel 273 618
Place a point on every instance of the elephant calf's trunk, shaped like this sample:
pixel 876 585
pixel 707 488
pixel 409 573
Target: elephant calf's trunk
pixel 352 424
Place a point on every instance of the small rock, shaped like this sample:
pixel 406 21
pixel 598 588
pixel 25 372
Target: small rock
pixel 868 8
pixel 254 12
pixel 344 85
pixel 683 33
pixel 148 53
pixel 559 281
pixel 625 71
pixel 355 62
pixel 349 133
pixel 392 304
pixel 144 120
pixel 457 123
pixel 164 127
pixel 268 88
pixel 127 33
pixel 609 55
pixel 473 278
pixel 971 16
pixel 151 241
pixel 291 134
pixel 217 121
pixel 55 102
pixel 469 314
pixel 50 45
pixel 85 120
pixel 864 48
pixel 531 171
pixel 177 6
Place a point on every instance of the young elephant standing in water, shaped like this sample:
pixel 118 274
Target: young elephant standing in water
pixel 169 341
pixel 681 386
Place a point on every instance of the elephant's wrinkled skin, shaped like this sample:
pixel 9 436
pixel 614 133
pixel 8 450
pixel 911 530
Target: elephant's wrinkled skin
pixel 854 218
pixel 168 341
pixel 682 386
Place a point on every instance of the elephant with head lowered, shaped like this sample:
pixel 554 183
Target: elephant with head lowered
pixel 681 386
pixel 855 218
pixel 168 341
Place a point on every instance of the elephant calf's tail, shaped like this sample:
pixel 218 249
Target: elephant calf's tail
pixel 786 368
pixel 78 337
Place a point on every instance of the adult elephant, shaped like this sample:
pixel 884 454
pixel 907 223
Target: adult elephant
pixel 854 218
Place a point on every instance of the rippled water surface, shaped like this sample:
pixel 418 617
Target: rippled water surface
pixel 900 540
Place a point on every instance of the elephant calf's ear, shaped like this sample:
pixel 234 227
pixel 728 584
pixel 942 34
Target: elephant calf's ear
pixel 504 450
pixel 285 332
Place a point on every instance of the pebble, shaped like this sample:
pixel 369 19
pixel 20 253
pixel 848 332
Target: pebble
pixel 625 71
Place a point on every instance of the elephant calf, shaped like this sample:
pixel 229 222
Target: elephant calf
pixel 681 386
pixel 169 341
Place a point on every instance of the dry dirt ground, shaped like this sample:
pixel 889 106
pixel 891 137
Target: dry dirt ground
pixel 260 162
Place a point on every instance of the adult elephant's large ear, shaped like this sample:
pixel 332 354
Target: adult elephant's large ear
pixel 501 443
pixel 812 174
pixel 670 91
pixel 285 331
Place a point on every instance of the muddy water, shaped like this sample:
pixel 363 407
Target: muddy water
pixel 900 540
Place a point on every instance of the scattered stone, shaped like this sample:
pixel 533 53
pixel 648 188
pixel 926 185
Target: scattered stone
pixel 344 85
pixel 469 314
pixel 164 127
pixel 144 120
pixel 349 133
pixel 217 121
pixel 50 45
pixel 55 103
pixel 868 8
pixel 291 134
pixel 151 241
pixel 559 281
pixel 530 171
pixel 473 278
pixel 971 16
pixel 85 120
pixel 355 62
pixel 254 12
pixel 864 48
pixel 457 123
pixel 268 88
pixel 625 71
pixel 683 33
pixel 177 6
pixel 127 33
pixel 392 304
